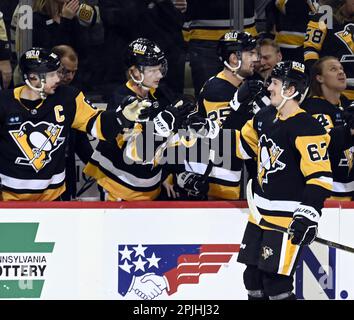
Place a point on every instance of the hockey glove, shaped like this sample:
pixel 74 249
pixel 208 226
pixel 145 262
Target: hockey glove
pixel 170 120
pixel 194 184
pixel 202 127
pixel 132 110
pixel 245 94
pixel 303 227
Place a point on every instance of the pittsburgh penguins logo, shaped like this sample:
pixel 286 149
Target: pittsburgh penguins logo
pixel 347 36
pixel 37 142
pixel 347 160
pixel 268 159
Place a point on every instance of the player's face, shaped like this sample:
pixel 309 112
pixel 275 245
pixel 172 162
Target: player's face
pixel 249 60
pixel 275 92
pixel 269 57
pixel 333 76
pixel 152 76
pixel 52 81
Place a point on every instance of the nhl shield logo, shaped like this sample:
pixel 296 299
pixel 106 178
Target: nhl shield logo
pixel 37 142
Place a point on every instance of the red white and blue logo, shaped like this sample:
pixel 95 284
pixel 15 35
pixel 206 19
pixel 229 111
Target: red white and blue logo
pixel 149 270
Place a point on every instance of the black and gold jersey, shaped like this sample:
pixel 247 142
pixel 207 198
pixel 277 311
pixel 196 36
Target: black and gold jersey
pixel 292 162
pixel 32 163
pixel 214 98
pixel 331 116
pixel 214 103
pixel 124 168
pixel 290 22
pixel 210 20
pixel 337 41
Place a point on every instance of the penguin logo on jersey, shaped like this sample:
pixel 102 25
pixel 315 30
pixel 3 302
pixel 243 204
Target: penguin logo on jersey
pixel 268 159
pixel 347 161
pixel 347 36
pixel 37 142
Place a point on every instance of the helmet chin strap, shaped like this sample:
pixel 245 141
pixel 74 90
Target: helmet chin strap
pixel 285 98
pixel 40 90
pixel 140 82
pixel 234 69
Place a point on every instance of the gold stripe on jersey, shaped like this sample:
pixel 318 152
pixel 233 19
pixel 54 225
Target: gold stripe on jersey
pixel 311 55
pixel 47 195
pixel 118 191
pixel 288 256
pixel 207 34
pixel 218 191
pixel 251 30
pixel 339 198
pixel 85 112
pixel 17 96
pixel 349 94
pixel 211 106
pixel 289 38
pixel 250 136
pixel 280 221
pixel 314 157
pixel 324 183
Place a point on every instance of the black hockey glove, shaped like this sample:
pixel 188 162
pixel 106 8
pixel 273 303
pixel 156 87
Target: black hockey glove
pixel 245 94
pixel 194 184
pixel 170 120
pixel 132 110
pixel 202 127
pixel 303 227
pixel 349 115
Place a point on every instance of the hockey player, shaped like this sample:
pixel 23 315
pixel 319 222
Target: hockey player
pixel 289 19
pixel 327 104
pixel 140 180
pixel 293 179
pixel 35 120
pixel 322 40
pixel 237 51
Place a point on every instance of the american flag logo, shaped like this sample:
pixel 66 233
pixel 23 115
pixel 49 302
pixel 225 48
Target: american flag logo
pixel 148 270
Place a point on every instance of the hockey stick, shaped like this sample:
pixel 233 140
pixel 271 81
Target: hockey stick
pixel 262 222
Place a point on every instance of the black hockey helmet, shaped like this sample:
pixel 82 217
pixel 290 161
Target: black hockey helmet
pixel 235 42
pixel 142 53
pixel 291 73
pixel 39 61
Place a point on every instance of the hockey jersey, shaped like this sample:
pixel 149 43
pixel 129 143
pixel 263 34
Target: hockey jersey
pixel 124 168
pixel 338 41
pixel 32 163
pixel 210 20
pixel 214 103
pixel 292 162
pixel 330 116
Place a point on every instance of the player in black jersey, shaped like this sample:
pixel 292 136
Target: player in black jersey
pixel 293 179
pixel 34 123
